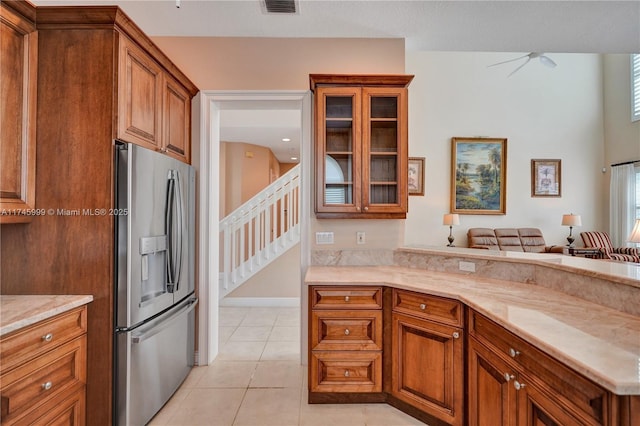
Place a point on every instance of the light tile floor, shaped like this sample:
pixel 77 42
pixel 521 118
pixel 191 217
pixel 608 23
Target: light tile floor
pixel 257 380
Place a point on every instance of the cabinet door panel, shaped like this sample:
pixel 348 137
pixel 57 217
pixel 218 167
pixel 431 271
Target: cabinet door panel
pixel 537 409
pixel 177 120
pixel 427 367
pixel 384 150
pixel 338 145
pixel 18 80
pixel 491 395
pixel 139 96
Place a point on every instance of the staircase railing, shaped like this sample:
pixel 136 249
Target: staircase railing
pixel 259 231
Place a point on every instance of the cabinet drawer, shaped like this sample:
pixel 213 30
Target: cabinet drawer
pixel 44 377
pixel 346 330
pixel 346 371
pixel 575 391
pixel 30 342
pixel 433 308
pixel 346 298
pixel 68 408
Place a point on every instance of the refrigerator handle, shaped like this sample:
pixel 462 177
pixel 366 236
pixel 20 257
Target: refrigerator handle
pixel 141 337
pixel 180 234
pixel 168 228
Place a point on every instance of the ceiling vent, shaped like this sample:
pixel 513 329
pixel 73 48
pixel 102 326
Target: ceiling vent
pixel 280 6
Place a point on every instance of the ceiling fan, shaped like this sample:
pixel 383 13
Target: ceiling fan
pixel 543 58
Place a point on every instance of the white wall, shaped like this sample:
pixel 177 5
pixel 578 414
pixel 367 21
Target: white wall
pixel 544 113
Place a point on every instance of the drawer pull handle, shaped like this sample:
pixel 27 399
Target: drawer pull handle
pixel 47 386
pixel 423 306
pixel 518 385
pixel 47 337
pixel 346 332
pixel 346 373
pixel 508 377
pixel 513 353
pixel 346 298
pixel 456 335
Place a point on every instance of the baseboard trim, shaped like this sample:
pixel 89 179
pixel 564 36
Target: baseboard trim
pixel 278 302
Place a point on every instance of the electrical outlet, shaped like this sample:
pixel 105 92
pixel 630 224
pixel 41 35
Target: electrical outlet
pixel 360 237
pixel 324 237
pixel 467 266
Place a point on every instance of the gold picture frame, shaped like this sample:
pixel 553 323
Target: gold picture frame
pixel 546 178
pixel 415 176
pixel 478 175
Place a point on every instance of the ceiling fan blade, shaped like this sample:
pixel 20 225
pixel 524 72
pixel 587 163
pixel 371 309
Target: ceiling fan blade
pixel 547 61
pixel 516 70
pixel 510 60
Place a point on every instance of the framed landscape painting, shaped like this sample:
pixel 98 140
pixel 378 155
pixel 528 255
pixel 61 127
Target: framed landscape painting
pixel 478 175
pixel 546 178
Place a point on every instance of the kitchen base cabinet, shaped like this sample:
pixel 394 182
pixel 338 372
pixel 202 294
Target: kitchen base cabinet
pixel 428 367
pixel 546 392
pixel 345 340
pixel 44 371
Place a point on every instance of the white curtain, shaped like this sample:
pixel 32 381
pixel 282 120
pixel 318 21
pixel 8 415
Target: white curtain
pixel 622 211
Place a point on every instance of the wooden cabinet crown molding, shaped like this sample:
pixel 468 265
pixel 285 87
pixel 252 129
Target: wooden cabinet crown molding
pixel 388 80
pixel 69 17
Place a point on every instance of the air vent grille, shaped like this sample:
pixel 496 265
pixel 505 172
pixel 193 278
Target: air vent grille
pixel 280 6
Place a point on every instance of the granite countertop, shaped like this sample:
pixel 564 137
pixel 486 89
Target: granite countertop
pixel 599 342
pixel 18 311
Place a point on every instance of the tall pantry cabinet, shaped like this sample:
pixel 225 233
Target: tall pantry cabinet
pixel 88 95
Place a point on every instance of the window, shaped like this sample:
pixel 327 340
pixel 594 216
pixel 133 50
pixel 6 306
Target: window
pixel 635 87
pixel 637 169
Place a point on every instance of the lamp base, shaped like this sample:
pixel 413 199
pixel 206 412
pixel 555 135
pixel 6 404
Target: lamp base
pixel 570 239
pixel 450 238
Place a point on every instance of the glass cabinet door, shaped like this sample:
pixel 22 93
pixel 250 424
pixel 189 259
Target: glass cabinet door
pixel 383 151
pixel 338 154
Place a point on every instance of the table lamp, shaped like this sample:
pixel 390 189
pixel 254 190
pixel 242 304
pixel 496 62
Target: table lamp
pixel 451 219
pixel 635 233
pixel 571 220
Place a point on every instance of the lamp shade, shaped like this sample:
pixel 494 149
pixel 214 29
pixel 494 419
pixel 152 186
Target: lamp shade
pixel 571 220
pixel 635 234
pixel 451 219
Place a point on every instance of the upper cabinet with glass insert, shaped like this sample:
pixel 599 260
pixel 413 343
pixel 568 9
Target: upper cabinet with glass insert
pixel 361 145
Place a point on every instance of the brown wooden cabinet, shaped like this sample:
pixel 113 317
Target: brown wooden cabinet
pixel 345 340
pixel 428 354
pixel 77 121
pixel 154 108
pixel 510 380
pixel 18 97
pixel 361 145
pixel 43 371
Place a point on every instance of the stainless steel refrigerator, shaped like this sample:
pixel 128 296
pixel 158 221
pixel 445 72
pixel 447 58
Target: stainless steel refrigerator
pixel 154 303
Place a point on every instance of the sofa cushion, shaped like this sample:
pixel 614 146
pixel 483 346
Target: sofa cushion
pixel 482 238
pixel 532 240
pixel 508 239
pixel 596 239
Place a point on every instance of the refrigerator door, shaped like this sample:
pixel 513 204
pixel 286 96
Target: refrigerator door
pixel 153 360
pixel 155 196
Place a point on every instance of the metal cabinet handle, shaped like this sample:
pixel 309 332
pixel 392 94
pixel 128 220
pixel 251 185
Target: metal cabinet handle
pixel 456 335
pixel 346 298
pixel 423 306
pixel 346 373
pixel 47 386
pixel 513 353
pixel 346 332
pixel 518 385
pixel 508 377
pixel 47 337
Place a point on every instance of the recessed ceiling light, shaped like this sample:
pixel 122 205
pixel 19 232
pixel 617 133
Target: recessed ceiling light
pixel 286 140
pixel 294 158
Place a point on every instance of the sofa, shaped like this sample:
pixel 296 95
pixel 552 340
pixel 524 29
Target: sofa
pixel 510 239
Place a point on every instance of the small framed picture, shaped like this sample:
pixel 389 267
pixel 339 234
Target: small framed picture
pixel 546 178
pixel 415 179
